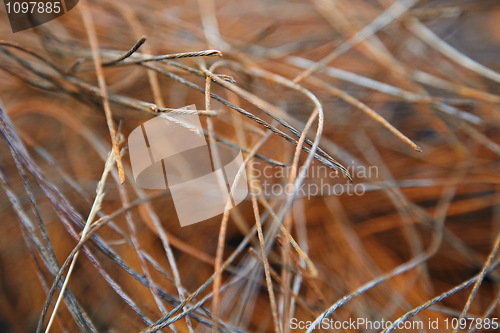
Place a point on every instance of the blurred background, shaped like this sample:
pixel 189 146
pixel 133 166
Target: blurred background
pixel 380 79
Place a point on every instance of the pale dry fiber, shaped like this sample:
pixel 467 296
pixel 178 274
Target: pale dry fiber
pixel 401 96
